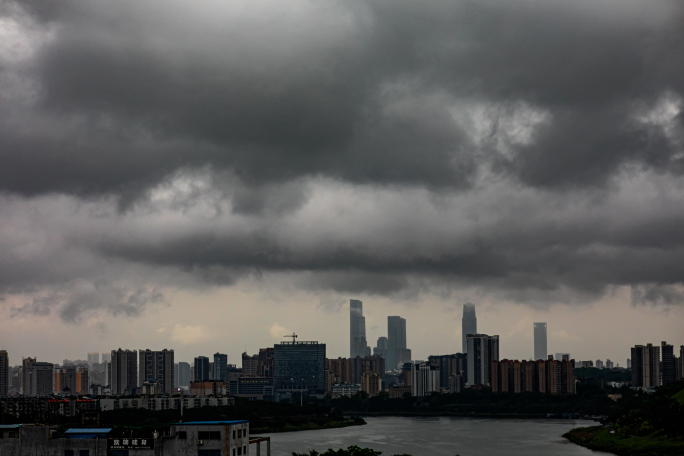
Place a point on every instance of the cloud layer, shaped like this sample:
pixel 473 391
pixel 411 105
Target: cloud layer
pixel 532 150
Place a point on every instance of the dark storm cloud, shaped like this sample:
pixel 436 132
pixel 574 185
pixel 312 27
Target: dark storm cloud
pixel 362 92
pixel 546 138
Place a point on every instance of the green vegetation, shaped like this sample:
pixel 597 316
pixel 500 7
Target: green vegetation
pixel 640 424
pixel 589 400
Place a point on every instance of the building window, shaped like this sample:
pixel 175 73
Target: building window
pixel 209 435
pixel 182 435
pixel 84 453
pixel 234 451
pixel 68 452
pixel 233 434
pixel 240 451
pixel 244 449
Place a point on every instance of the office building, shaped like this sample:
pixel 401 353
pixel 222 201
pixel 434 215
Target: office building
pixel 201 370
pixel 540 348
pixel 37 378
pixel 669 368
pixel 4 373
pixel 157 367
pixel 93 358
pixel 106 357
pixel 358 345
pixel 424 379
pixel 124 375
pixel 468 324
pixel 645 366
pixel 299 367
pixel 396 343
pixel 481 351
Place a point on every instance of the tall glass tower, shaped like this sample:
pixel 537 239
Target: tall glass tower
pixel 358 346
pixel 468 324
pixel 396 342
pixel 540 348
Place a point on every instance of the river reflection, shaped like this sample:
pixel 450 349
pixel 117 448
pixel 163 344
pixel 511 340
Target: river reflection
pixel 440 436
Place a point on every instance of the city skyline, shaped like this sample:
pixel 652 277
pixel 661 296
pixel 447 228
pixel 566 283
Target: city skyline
pixel 216 193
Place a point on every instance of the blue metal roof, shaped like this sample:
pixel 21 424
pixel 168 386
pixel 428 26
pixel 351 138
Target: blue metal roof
pixel 88 431
pixel 10 426
pixel 209 423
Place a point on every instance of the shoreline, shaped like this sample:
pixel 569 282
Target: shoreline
pixel 309 427
pixel 599 438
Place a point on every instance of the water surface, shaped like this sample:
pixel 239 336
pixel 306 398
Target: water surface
pixel 440 436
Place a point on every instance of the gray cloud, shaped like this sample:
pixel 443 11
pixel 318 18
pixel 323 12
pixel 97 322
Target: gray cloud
pixel 532 150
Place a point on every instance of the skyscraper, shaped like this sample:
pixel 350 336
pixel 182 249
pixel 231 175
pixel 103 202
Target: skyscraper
pixel 157 366
pixel 468 324
pixel 37 378
pixel 540 348
pixel 424 379
pixel 396 342
pixel 358 346
pixel 482 350
pixel 645 366
pixel 381 348
pixel 4 372
pixel 124 371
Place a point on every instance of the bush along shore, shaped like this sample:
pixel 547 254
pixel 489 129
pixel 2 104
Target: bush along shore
pixel 640 425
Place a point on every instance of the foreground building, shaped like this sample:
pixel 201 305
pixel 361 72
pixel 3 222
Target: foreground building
pixel 202 438
pixel 645 366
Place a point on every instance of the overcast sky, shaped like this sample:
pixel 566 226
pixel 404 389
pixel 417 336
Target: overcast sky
pixel 209 176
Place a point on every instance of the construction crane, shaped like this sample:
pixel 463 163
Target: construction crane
pixel 294 337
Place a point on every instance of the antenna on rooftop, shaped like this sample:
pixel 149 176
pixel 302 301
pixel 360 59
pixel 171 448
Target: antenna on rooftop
pixel 294 337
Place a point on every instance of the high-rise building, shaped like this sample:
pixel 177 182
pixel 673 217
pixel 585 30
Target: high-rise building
pixel 4 373
pixel 358 346
pixel 540 349
pixel 381 348
pixel 396 341
pixel 424 379
pixel 157 366
pixel 468 324
pixel 37 378
pixel 481 351
pixel 265 366
pixel 250 365
pixel 645 366
pixel 201 369
pixel 550 376
pixel 124 367
pixel 680 363
pixel 93 358
pixel 106 357
pixel 181 375
pixel 450 365
pixel 669 369
pixel 220 367
pixel 563 356
pixel 299 367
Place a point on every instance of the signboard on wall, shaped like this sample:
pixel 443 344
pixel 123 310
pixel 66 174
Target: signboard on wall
pixel 130 443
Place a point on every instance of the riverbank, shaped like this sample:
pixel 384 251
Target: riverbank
pixel 599 438
pixel 309 426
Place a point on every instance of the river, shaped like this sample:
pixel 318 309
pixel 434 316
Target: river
pixel 440 436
